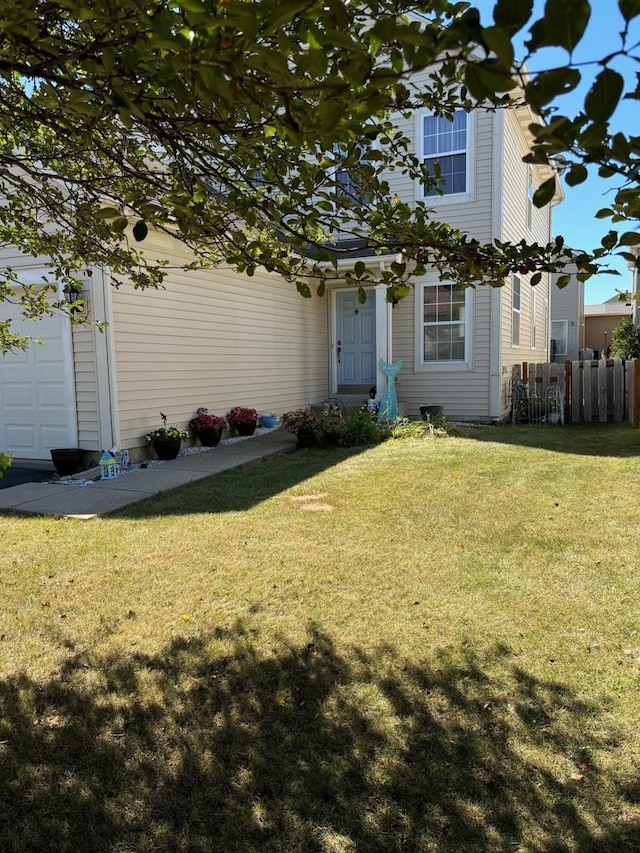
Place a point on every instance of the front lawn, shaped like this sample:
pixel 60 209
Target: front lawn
pixel 431 645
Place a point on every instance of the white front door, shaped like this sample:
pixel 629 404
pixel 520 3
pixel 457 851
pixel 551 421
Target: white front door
pixel 355 339
pixel 37 410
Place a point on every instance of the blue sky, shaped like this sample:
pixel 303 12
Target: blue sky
pixel 574 218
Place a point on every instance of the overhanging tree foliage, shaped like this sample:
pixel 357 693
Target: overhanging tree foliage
pixel 231 124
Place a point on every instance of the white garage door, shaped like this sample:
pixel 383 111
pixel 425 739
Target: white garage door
pixel 37 410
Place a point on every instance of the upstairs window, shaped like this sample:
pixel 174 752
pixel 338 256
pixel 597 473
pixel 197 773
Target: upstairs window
pixel 530 192
pixel 351 180
pixel 446 143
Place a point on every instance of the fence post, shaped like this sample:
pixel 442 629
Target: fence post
pixel 618 390
pixel 568 391
pixel 634 406
pixel 577 392
pixel 602 390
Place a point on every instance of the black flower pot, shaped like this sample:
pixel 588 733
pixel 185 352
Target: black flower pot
pixel 431 411
pixel 167 448
pixel 246 429
pixel 68 460
pixel 306 439
pixel 210 437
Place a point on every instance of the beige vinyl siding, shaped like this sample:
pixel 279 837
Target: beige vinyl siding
pixel 514 219
pixel 473 217
pixel 464 392
pixel 217 339
pixel 86 385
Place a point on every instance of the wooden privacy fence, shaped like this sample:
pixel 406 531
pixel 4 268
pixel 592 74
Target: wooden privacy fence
pixel 602 390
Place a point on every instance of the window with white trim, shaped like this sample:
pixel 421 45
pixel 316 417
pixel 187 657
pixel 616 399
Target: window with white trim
pixel 444 323
pixel 515 312
pixel 545 322
pixel 446 143
pixel 534 318
pixel 530 192
pixel 351 185
pixel 559 334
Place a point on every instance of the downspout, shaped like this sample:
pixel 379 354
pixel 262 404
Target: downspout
pixel 108 416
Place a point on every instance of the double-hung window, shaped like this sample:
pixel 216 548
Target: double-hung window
pixel 534 319
pixel 445 151
pixel 559 329
pixel 515 312
pixel 444 323
pixel 530 192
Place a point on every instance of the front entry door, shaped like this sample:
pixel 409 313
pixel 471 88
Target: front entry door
pixel 356 339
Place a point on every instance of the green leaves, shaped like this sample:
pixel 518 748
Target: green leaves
pixel 512 15
pixel 577 174
pixel 629 8
pixel 140 230
pixel 604 95
pixel 548 85
pixel 563 25
pixel 221 122
pixel 545 192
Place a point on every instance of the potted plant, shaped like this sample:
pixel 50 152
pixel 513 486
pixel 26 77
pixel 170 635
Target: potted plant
pixel 67 460
pixel 166 440
pixel 268 419
pixel 208 428
pixel 304 424
pixel 243 419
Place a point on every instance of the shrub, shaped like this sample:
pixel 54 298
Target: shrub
pixel 5 461
pixel 301 421
pixel 433 426
pixel 625 341
pixel 361 428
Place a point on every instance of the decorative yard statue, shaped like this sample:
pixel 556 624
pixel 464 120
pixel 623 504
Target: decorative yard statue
pixel 388 410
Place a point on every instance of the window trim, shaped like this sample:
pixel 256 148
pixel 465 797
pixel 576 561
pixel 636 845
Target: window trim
pixel 470 150
pixel 530 192
pixel 534 319
pixel 422 364
pixel 516 311
pixel 565 323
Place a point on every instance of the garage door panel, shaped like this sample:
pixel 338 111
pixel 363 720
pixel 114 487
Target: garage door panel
pixel 37 410
pixel 17 395
pixel 52 396
pixel 21 437
pixel 54 437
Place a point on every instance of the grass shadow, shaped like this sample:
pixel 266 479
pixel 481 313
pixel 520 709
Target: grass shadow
pixel 239 489
pixel 612 440
pixel 219 744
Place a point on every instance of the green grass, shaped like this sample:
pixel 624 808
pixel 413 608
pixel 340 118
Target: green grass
pixel 430 645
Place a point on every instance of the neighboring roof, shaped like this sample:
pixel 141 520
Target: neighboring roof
pixel 609 308
pixel 616 299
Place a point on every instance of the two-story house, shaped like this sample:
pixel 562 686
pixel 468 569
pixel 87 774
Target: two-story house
pixel 215 338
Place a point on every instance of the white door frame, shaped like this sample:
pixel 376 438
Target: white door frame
pixel 382 317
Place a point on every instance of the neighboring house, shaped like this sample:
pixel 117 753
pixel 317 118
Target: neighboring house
pixel 601 320
pixel 217 339
pixel 567 320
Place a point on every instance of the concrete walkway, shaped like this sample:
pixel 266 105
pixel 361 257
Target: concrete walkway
pixel 104 496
